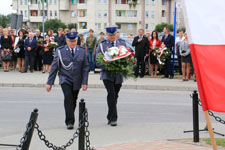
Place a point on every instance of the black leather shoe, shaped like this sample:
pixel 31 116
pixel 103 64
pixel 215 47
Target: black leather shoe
pixel 171 77
pixel 70 127
pixel 113 123
pixel 109 122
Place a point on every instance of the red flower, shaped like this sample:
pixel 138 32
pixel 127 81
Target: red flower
pixel 131 55
pixel 134 62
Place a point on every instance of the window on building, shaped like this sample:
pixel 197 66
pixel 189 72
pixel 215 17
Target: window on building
pixel 99 1
pixel 131 13
pixel 50 13
pixel 82 13
pixel 121 1
pixel 163 13
pixel 153 14
pixel 99 14
pixel 46 13
pixel 163 2
pixel 34 1
pixel 152 26
pixel 119 25
pixel 55 13
pixel 50 2
pixel 83 25
pixel 146 14
pixel 21 2
pixel 21 12
pixel 153 2
pixel 121 13
pixel 105 13
pixel 34 13
pixel 74 14
pixel 105 24
pixel 146 26
pixel 73 2
pixel 55 2
pixel 147 2
pixel 130 26
pixel 25 2
pixel 25 13
pixel 82 1
pixel 99 25
pixel 105 1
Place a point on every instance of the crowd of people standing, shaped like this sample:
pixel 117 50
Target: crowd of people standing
pixel 27 52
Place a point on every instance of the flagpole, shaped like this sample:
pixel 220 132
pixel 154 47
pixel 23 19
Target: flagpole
pixel 43 19
pixel 174 35
pixel 209 124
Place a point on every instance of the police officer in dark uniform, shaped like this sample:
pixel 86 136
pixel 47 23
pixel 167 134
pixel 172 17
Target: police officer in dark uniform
pixel 111 83
pixel 71 64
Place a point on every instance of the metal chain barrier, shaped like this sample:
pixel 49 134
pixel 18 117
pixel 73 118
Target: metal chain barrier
pixel 217 118
pixel 24 138
pixel 84 121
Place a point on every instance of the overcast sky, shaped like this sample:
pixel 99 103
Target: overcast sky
pixel 5 7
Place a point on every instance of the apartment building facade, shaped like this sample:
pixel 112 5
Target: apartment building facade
pixel 97 14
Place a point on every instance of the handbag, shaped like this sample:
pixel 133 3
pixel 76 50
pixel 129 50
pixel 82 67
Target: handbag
pixel 17 50
pixel 6 57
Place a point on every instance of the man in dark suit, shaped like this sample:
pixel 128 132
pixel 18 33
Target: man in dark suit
pixel 30 47
pixel 168 41
pixel 38 57
pixel 71 64
pixel 141 45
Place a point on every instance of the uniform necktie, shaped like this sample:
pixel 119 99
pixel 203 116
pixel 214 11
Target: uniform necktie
pixel 72 51
pixel 112 43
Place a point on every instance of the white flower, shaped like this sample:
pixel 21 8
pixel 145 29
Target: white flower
pixel 113 51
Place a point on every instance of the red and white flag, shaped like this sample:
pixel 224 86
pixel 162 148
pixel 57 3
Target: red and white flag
pixel 205 23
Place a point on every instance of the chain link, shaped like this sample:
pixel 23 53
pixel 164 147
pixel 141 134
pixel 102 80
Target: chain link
pixel 24 138
pixel 217 118
pixel 84 122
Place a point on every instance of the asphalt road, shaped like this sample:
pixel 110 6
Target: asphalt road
pixel 135 106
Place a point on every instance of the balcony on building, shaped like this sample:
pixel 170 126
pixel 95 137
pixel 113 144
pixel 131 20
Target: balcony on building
pixel 124 4
pixel 82 4
pixel 129 16
pixel 33 5
pixel 34 17
pixel 64 5
pixel 82 15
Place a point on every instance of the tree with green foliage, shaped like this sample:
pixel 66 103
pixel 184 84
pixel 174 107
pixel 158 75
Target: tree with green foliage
pixel 160 27
pixel 53 24
pixel 5 20
pixel 71 26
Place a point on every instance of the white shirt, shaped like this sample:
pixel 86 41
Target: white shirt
pixel 178 39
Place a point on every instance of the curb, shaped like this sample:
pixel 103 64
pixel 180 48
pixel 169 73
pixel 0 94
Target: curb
pixel 125 86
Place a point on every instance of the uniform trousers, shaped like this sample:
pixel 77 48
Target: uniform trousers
pixel 70 102
pixel 113 91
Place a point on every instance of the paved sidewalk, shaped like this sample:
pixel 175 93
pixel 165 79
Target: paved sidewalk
pixel 143 136
pixel 37 79
pixel 155 145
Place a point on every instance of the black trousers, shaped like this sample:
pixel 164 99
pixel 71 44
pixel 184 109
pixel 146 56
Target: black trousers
pixel 29 60
pixel 140 62
pixel 113 91
pixel 38 62
pixel 179 64
pixel 168 68
pixel 70 102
